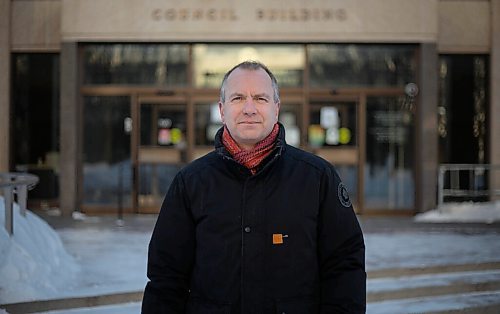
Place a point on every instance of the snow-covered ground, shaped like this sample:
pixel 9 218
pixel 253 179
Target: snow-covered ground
pixel 38 263
pixel 463 212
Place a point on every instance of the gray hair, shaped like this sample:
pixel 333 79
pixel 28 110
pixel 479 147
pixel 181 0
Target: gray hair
pixel 252 66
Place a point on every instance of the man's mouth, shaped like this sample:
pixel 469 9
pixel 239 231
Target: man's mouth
pixel 248 122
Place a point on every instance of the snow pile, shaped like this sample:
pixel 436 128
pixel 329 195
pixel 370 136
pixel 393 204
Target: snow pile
pixel 33 262
pixel 463 212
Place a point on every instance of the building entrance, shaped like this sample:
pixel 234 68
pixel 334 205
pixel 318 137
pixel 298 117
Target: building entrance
pixel 173 130
pixel 150 109
pixel 134 145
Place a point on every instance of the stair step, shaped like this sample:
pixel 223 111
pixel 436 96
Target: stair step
pixel 485 302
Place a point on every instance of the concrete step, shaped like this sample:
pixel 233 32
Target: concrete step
pixel 71 303
pixel 472 288
pixel 487 302
pixel 421 292
pixel 400 286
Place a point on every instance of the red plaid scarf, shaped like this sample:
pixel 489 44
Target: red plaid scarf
pixel 250 158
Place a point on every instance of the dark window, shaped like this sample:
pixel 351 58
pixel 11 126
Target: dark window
pixel 136 64
pixel 462 110
pixel 35 120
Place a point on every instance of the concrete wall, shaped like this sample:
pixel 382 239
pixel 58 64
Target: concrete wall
pixel 4 84
pixel 494 114
pixel 69 128
pixel 464 26
pixel 36 25
pixel 426 129
pixel 257 20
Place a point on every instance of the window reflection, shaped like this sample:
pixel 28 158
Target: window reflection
pixel 211 62
pixel 351 65
pixel 140 64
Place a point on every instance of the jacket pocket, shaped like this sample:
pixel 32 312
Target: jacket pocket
pixel 298 305
pixel 201 306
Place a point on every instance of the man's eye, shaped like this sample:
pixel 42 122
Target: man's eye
pixel 262 100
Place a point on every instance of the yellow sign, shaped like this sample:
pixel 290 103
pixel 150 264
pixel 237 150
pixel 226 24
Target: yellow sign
pixel 176 135
pixel 344 136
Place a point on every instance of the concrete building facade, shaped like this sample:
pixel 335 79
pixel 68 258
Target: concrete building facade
pixel 106 100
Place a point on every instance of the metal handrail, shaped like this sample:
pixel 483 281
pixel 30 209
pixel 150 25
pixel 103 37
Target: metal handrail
pixel 453 187
pixel 15 183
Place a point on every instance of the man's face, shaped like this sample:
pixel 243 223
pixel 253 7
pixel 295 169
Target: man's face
pixel 249 110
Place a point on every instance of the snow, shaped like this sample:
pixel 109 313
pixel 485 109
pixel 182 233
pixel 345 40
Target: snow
pixel 112 260
pixel 485 212
pixel 33 262
pixel 412 249
pixel 432 280
pixel 35 265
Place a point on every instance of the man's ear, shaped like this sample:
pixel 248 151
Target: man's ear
pixel 221 111
pixel 278 106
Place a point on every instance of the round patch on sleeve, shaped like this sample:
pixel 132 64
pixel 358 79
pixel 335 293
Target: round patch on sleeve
pixel 343 195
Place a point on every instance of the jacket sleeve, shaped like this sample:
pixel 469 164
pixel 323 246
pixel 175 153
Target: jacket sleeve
pixel 171 254
pixel 341 250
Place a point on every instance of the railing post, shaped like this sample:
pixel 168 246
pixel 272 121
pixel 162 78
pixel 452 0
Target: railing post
pixel 440 185
pixel 120 195
pixel 22 196
pixel 9 215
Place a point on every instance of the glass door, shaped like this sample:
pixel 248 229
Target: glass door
pixel 389 165
pixel 162 147
pixel 333 134
pixel 107 171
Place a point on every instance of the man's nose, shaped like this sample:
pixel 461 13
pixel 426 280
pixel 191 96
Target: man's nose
pixel 249 106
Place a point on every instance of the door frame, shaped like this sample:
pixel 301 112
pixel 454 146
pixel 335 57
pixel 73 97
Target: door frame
pixel 154 153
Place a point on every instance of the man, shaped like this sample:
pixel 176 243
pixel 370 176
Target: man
pixel 255 226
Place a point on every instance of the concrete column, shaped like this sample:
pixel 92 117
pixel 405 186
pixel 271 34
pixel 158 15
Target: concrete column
pixel 426 129
pixel 69 129
pixel 4 85
pixel 494 113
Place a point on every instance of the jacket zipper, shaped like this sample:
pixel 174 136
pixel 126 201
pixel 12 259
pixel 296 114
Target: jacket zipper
pixel 242 228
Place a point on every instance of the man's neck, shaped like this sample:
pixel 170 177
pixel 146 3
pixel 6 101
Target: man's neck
pixel 245 147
